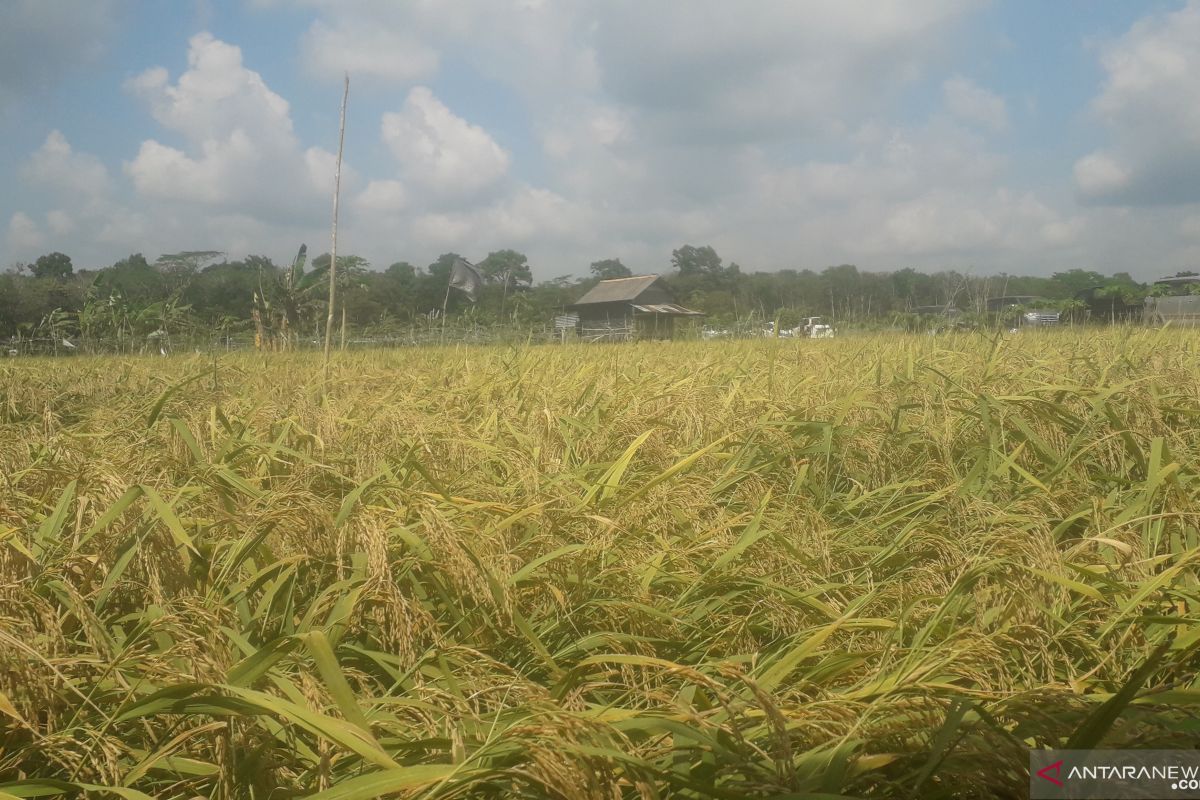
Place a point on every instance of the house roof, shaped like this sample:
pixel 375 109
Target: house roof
pixel 617 290
pixel 667 308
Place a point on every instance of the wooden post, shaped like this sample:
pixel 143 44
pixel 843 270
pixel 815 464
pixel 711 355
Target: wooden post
pixel 337 185
pixel 445 301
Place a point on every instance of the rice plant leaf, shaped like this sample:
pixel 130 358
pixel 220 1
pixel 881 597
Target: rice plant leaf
pixel 352 498
pixel 190 699
pixel 610 481
pixel 125 555
pixel 168 517
pixel 189 440
pixel 7 708
pixel 753 532
pixel 524 572
pixel 389 781
pixel 942 741
pixel 46 787
pixel 51 528
pixel 1095 727
pixel 168 393
pixel 1073 585
pixel 164 758
pixel 331 672
pixel 780 669
pixel 110 515
pixel 678 467
pixel 247 671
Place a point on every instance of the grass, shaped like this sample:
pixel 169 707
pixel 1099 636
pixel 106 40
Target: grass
pixel 872 567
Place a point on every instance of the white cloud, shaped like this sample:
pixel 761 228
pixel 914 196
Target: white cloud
pixel 931 192
pixel 1099 174
pixel 1150 103
pixel 441 151
pixel 24 236
pixel 382 196
pixel 575 130
pixel 130 230
pixel 238 172
pixel 974 104
pixel 557 234
pixel 241 152
pixel 712 72
pixel 1190 227
pixel 60 222
pixel 57 167
pixel 367 49
pixel 528 216
pixel 217 95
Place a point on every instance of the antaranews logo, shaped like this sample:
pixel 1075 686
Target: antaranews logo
pixel 1051 773
pixel 1114 774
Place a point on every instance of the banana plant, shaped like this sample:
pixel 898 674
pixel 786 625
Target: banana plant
pixel 283 302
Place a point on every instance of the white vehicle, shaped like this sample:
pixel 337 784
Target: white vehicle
pixel 813 328
pixel 820 332
pixel 1041 318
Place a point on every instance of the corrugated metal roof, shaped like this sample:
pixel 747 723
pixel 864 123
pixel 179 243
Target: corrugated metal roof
pixel 667 308
pixel 617 290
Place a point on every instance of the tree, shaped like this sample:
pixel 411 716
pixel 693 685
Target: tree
pixel 1075 281
pixel 55 266
pixel 351 265
pixel 843 287
pixel 440 269
pixel 402 271
pixel 134 280
pixel 226 288
pixel 506 268
pixel 689 260
pixel 350 279
pixel 610 268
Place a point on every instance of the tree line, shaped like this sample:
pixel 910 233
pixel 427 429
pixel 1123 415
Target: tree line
pixel 194 291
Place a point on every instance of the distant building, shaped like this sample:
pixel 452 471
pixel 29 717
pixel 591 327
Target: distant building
pixel 1038 309
pixel 996 304
pixel 621 309
pixel 1172 301
pixel 950 312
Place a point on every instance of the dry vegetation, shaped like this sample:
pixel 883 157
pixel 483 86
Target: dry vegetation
pixel 868 567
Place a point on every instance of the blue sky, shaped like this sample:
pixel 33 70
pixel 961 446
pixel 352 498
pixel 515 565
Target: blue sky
pixel 1025 136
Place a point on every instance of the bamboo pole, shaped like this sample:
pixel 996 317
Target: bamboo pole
pixel 337 185
pixel 445 302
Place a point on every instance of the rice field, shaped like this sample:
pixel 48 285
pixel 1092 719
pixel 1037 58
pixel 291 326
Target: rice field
pixel 866 567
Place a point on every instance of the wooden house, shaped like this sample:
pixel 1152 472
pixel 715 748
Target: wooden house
pixel 622 309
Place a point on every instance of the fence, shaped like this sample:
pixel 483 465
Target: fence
pixel 413 336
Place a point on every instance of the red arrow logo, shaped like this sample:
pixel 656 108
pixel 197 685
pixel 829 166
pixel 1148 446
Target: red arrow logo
pixel 1056 768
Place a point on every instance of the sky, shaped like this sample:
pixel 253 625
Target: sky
pixel 1023 136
